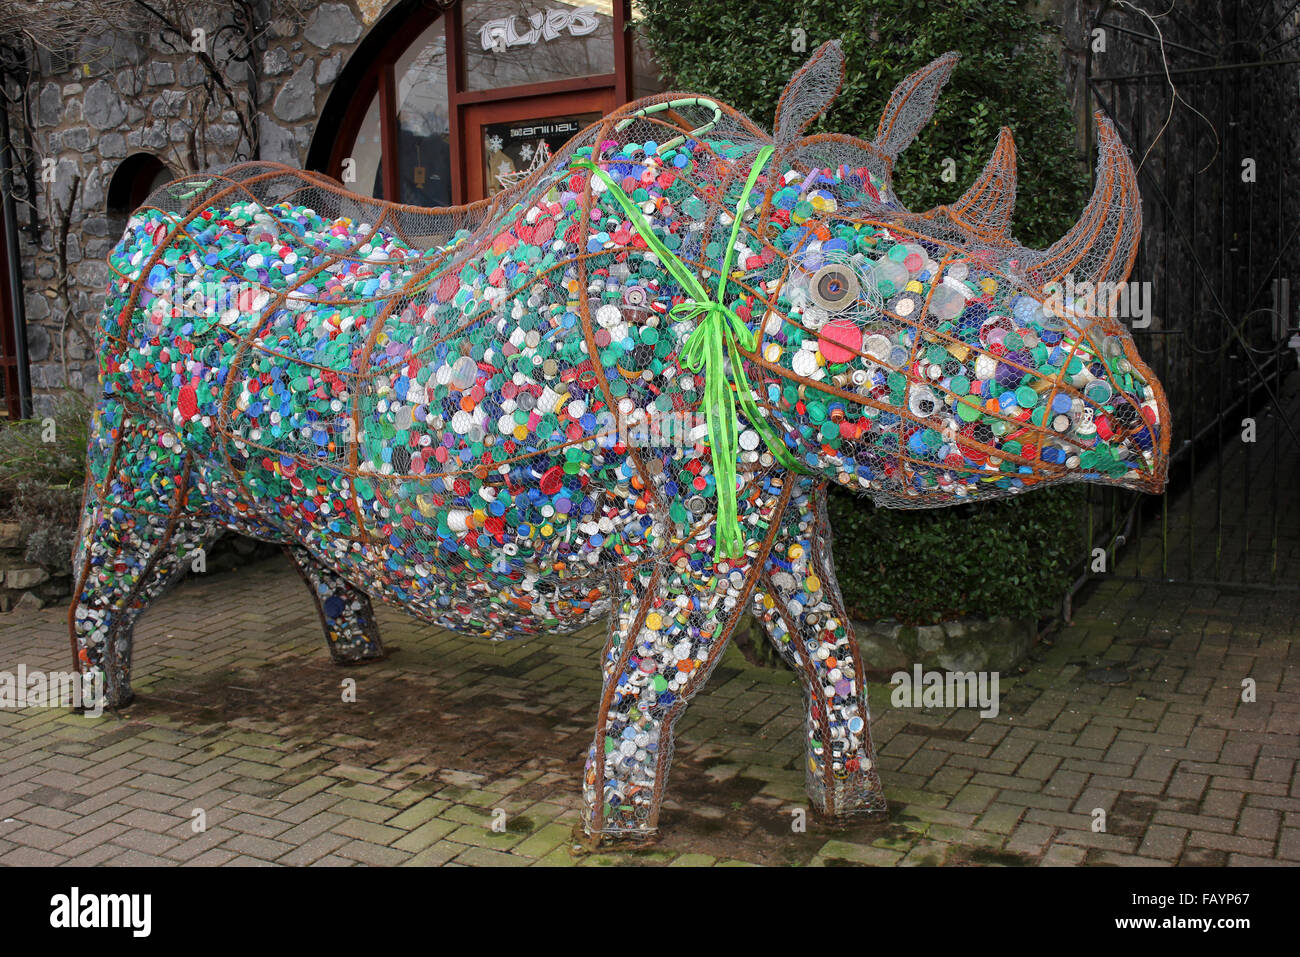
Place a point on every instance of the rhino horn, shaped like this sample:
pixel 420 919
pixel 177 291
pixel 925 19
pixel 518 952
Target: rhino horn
pixel 1102 245
pixel 985 209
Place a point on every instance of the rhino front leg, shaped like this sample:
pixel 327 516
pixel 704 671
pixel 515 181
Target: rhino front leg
pixel 666 635
pixel 351 631
pixel 803 614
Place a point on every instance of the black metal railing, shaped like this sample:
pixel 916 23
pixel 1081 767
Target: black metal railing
pixel 1220 250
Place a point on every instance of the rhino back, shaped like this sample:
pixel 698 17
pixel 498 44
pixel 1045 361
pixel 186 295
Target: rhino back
pixel 441 406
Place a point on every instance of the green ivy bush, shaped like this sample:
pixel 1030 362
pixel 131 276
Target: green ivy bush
pixel 1014 557
pixel 1011 557
pixel 1008 76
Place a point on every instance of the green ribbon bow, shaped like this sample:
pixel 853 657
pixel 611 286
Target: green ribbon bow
pixel 720 335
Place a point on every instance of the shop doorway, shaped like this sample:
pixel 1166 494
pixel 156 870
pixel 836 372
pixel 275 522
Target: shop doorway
pixel 505 140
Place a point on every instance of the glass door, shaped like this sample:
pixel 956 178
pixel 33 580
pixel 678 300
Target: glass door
pixel 507 139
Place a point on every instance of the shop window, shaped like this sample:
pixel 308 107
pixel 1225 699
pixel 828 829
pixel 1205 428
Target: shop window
pixel 445 107
pixel 417 84
pixel 423 127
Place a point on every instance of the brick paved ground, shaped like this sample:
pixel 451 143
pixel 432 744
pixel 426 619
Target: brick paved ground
pixel 241 715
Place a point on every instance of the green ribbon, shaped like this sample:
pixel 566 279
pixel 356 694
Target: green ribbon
pixel 721 334
pixel 196 188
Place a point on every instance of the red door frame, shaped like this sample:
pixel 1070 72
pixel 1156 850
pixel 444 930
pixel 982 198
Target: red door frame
pixel 475 115
pixel 541 99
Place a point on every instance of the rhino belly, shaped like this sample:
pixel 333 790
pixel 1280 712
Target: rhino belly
pixel 497 601
pixel 501 592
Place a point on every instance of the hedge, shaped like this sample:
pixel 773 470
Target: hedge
pixel 1014 557
pixel 1000 558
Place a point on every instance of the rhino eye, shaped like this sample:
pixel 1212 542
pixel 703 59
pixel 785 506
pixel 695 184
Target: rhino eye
pixel 835 287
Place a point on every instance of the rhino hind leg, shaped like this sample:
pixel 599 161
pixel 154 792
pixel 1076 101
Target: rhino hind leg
pixel 802 612
pixel 137 538
pixel 351 631
pixel 666 635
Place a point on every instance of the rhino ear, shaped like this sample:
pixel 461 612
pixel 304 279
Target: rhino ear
pixel 911 104
pixel 810 92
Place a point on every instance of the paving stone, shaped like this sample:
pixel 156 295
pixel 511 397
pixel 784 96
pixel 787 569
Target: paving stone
pixel 1259 822
pixel 693 860
pixel 312 850
pixel 840 851
pixel 374 854
pixel 431 832
pixel 1161 841
pixel 1187 773
pixel 1226 842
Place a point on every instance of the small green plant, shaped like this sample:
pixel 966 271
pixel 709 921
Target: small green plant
pixel 42 465
pixel 50 449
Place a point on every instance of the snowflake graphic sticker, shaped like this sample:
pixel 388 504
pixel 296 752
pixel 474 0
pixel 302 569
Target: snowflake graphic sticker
pixel 494 144
pixel 540 155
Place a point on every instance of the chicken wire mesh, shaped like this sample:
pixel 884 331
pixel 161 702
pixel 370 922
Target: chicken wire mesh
pixel 618 388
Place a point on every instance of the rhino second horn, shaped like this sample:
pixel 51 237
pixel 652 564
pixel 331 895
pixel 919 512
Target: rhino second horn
pixel 1102 245
pixel 810 92
pixel 985 209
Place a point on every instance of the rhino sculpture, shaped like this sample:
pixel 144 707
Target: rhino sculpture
pixel 465 411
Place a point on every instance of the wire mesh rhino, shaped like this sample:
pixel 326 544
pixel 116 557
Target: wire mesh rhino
pixel 620 388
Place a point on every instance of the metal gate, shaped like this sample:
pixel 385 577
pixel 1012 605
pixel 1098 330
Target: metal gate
pixel 1220 250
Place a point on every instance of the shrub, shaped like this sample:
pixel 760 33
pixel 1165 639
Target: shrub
pixel 1014 557
pixel 1001 558
pixel 49 516
pixel 42 465
pixel 1008 76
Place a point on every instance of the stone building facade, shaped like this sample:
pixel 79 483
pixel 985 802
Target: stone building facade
pixel 94 127
pixel 399 94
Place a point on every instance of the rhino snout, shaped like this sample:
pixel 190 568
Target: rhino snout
pixel 1124 419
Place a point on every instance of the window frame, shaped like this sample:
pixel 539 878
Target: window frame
pixel 379 78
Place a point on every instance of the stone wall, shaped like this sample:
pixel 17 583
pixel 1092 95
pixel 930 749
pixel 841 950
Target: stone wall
pixel 142 91
pixel 26 585
pixel 33 575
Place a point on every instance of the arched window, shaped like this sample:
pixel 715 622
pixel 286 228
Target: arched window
pixel 441 109
pixel 134 179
